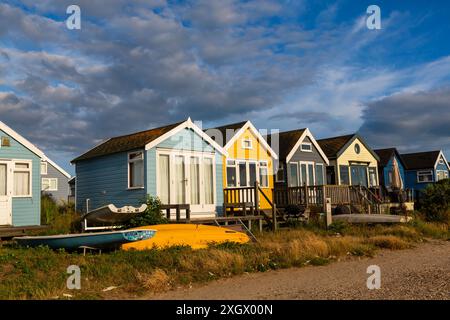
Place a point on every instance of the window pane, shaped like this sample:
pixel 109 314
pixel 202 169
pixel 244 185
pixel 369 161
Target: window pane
pixel 22 165
pixel 343 173
pixel 372 177
pixel 164 186
pixel 303 177
pixel 43 168
pixel 21 183
pixel 263 177
pixel 319 174
pixel 195 180
pixel 231 176
pixel 208 180
pixel 252 173
pixel 311 174
pixel 53 184
pixel 293 178
pixel 136 174
pixel 180 180
pixel 45 184
pixel 242 174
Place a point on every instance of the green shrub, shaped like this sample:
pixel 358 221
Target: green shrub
pixel 152 215
pixel 435 201
pixel 61 218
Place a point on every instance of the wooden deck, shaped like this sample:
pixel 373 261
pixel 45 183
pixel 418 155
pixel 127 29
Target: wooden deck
pixel 371 218
pixel 8 231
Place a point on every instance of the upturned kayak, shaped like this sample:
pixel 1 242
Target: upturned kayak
pixel 99 240
pixel 197 236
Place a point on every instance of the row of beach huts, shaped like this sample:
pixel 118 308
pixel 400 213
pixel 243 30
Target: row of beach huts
pixel 232 168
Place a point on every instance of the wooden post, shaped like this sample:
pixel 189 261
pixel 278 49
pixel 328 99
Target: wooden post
pixel 324 200
pixel 188 214
pixel 306 194
pixel 274 217
pixel 260 225
pixel 256 197
pixel 168 213
pixel 178 213
pixel 328 211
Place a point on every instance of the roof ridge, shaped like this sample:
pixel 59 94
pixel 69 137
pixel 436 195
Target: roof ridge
pixel 147 130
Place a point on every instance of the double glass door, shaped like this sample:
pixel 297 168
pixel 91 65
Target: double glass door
pixel 358 175
pixel 187 178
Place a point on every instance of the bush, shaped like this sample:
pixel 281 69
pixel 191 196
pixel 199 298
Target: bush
pixel 152 215
pixel 435 201
pixel 60 218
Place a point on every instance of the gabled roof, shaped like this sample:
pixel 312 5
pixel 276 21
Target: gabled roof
pixel 143 139
pixel 335 146
pixel 331 146
pixel 386 154
pixel 289 142
pixel 27 144
pixel 422 160
pixel 64 172
pixel 238 129
pixel 227 131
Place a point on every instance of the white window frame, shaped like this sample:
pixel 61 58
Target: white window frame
pixel 441 161
pixel 30 170
pixel 263 164
pixel 323 173
pixel 306 150
pixel 445 174
pixel 231 163
pixel 45 163
pixel 244 141
pixel 280 168
pixel 307 163
pixel 423 173
pixel 247 163
pixel 128 170
pixel 49 189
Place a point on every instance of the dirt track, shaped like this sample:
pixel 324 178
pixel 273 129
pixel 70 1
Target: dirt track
pixel 419 273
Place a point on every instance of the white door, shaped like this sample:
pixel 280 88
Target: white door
pixel 5 195
pixel 187 178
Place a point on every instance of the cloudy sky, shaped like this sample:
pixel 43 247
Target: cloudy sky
pixel 283 64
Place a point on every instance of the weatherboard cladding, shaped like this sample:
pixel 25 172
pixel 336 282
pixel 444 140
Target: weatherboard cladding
pixel 25 211
pixel 104 179
pixel 63 191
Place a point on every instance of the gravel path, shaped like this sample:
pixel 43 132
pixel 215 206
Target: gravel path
pixel 419 273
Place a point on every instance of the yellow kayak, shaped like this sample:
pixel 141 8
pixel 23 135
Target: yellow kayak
pixel 197 236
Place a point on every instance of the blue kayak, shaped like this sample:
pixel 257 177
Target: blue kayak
pixel 99 240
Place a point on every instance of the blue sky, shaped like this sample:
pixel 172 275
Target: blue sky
pixel 282 64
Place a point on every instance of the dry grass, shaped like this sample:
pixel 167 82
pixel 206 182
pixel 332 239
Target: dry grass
pixel 389 242
pixel 156 281
pixel 41 273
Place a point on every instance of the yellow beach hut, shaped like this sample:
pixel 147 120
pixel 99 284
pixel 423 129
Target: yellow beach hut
pixel 249 158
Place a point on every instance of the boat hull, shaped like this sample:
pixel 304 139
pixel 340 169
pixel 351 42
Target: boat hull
pixel 196 236
pixel 101 240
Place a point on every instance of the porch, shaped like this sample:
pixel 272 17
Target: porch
pixel 10 231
